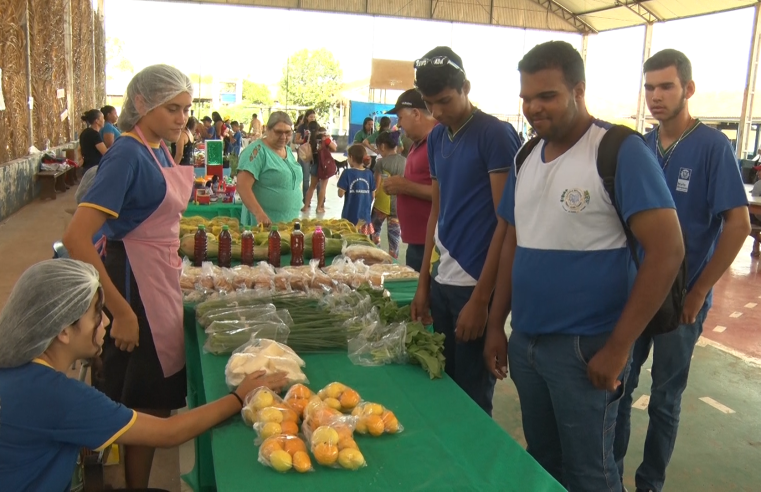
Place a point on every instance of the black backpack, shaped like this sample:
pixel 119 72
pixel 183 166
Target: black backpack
pixel 668 317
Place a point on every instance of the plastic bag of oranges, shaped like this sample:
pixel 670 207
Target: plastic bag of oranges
pixel 257 400
pixel 297 398
pixel 375 419
pixel 318 414
pixel 339 396
pixel 284 453
pixel 334 446
pixel 275 420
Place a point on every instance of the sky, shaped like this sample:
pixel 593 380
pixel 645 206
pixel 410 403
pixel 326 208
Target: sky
pixel 255 42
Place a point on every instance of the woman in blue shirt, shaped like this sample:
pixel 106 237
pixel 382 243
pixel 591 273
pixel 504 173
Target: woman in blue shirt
pixel 54 318
pixel 109 133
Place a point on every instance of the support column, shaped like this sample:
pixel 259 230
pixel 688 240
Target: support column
pixel 30 98
pixel 68 48
pixel 584 46
pixel 746 116
pixel 641 99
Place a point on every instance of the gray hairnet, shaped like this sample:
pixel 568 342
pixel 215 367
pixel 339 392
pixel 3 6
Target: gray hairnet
pixel 49 296
pixel 156 84
pixel 84 186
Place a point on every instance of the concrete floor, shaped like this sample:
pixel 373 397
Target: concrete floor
pixel 718 449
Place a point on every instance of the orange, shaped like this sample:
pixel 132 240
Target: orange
pixel 351 459
pixel 294 445
pixel 344 431
pixel 325 454
pixel 349 399
pixel 362 425
pixel 390 422
pixel 268 446
pixel 289 415
pixel 301 462
pixel 270 429
pixel 347 443
pixel 374 425
pixel 289 428
pixel 300 391
pixel 281 461
pixel 298 405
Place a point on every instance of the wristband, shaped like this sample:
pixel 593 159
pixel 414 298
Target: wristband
pixel 238 397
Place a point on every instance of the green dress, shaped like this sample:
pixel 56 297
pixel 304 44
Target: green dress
pixel 278 183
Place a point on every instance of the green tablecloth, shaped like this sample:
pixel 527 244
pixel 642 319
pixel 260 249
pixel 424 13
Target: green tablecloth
pixel 448 444
pixel 214 210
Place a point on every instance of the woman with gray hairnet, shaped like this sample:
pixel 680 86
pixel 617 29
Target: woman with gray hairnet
pixel 137 199
pixel 53 318
pixel 269 178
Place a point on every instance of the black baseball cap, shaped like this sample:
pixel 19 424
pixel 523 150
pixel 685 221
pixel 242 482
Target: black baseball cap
pixel 445 51
pixel 409 99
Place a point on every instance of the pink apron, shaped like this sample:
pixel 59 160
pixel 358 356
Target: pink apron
pixel 152 253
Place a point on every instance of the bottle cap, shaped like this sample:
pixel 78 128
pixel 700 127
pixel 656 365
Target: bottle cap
pixel 201 226
pixel 225 228
pixel 248 228
pixel 297 226
pixel 318 229
pixel 274 228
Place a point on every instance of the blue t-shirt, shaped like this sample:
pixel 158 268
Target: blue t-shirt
pixel 462 165
pixel 128 186
pixel 359 185
pixel 704 179
pixel 109 128
pixel 45 419
pixel 572 271
pixel 236 143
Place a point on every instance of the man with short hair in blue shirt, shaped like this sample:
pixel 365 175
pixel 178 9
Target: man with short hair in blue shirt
pixel 469 154
pixel 704 180
pixel 578 305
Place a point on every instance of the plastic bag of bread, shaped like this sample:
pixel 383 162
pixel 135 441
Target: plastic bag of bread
pixel 320 279
pixel 189 275
pixel 264 355
pixel 394 271
pixel 205 282
pixel 224 280
pixel 299 277
pixel 371 255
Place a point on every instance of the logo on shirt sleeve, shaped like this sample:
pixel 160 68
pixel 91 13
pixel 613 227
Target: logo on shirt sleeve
pixel 574 200
pixel 683 183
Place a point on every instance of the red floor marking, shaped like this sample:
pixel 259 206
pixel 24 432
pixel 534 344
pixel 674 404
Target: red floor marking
pixel 740 285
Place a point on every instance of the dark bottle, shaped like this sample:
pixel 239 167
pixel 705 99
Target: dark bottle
pixel 225 255
pixel 199 246
pixel 318 246
pixel 297 246
pixel 247 247
pixel 273 247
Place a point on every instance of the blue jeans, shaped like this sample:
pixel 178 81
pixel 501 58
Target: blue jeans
pixel 568 423
pixel 465 361
pixel 672 353
pixel 414 257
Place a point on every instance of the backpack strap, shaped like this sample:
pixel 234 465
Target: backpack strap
pixel 607 162
pixel 524 152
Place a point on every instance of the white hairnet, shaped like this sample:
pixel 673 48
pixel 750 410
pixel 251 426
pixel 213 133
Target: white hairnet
pixel 84 186
pixel 48 297
pixel 156 85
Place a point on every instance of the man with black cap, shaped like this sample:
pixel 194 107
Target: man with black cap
pixel 413 190
pixel 470 154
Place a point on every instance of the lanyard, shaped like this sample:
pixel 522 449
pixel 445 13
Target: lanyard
pixel 667 159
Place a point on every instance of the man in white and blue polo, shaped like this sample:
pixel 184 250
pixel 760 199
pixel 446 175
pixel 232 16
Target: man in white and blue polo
pixel 704 179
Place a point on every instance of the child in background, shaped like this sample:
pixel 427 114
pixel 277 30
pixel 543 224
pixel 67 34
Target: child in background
pixel 235 144
pixel 357 186
pixel 390 163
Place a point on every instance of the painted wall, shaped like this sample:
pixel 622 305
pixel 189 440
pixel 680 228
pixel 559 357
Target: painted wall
pixel 18 185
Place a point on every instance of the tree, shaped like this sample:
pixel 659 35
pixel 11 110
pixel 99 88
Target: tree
pixel 311 78
pixel 254 93
pixel 115 59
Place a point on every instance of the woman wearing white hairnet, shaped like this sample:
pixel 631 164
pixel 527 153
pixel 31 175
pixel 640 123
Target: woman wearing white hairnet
pixel 52 319
pixel 137 198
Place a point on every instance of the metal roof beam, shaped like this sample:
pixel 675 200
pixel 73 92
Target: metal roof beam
pixel 639 9
pixel 555 8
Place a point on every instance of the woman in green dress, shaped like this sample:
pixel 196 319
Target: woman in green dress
pixel 269 177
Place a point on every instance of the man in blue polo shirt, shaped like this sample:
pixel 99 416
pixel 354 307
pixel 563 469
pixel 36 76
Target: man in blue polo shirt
pixel 565 272
pixel 704 179
pixel 469 154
